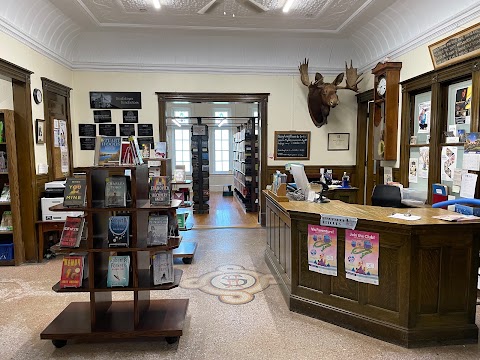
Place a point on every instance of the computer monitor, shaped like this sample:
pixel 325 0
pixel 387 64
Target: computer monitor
pixel 300 178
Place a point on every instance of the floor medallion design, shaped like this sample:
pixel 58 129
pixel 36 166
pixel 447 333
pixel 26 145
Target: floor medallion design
pixel 233 284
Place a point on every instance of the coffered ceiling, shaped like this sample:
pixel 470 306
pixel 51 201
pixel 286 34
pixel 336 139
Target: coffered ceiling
pixel 130 35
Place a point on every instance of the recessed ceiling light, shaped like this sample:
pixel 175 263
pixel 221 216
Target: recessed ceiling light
pixel 156 4
pixel 287 6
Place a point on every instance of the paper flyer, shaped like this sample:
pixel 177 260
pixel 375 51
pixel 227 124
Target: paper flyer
pixel 424 117
pixel 64 160
pixel 412 172
pixel 387 174
pixel 449 162
pixel 62 133
pixel 322 249
pixel 423 162
pixel 361 256
pixel 469 184
pixel 463 105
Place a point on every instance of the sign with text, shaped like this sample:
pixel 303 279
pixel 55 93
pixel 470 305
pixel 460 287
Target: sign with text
pixel 102 116
pixel 127 129
pixel 362 249
pixel 457 47
pixel 130 116
pixel 107 129
pixel 145 141
pixel 292 145
pixel 87 130
pixel 145 130
pixel 115 100
pixel 322 249
pixel 87 143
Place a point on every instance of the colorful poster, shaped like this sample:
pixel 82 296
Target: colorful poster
pixel 413 170
pixel 463 100
pixel 322 249
pixel 362 249
pixel 62 133
pixel 424 117
pixel 423 162
pixel 449 162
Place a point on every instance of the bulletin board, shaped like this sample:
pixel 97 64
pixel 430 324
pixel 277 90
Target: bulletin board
pixel 60 148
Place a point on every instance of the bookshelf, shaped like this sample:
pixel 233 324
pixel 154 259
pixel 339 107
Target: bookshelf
pixel 200 169
pixel 101 317
pixel 245 166
pixel 11 242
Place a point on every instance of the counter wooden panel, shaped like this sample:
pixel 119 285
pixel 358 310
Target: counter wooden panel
pixel 427 271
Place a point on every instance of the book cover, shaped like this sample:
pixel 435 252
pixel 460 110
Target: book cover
pixel 127 154
pixel 145 151
pixel 159 150
pixel 72 272
pixel 181 220
pixel 179 173
pixel 163 268
pixel 5 196
pixel 178 195
pixel 159 191
pixel 118 271
pixel 118 231
pixel 157 230
pixel 109 150
pixel 72 232
pixel 75 192
pixel 116 191
pixel 6 224
pixel 136 150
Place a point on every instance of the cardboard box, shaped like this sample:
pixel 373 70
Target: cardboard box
pixel 48 215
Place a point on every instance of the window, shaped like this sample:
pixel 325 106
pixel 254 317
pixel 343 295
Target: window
pixel 182 148
pixel 222 150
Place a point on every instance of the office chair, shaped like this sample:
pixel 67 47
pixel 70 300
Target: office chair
pixel 387 196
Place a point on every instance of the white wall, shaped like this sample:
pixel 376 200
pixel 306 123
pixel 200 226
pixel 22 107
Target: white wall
pixel 21 55
pixel 6 93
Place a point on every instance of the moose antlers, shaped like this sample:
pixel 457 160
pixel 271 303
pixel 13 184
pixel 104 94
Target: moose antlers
pixel 353 79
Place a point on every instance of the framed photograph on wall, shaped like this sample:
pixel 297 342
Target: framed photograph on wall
pixel 40 131
pixel 338 141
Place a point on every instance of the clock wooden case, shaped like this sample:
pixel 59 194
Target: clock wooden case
pixel 385 117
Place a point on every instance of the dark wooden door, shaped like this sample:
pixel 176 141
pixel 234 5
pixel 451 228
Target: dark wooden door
pixel 371 167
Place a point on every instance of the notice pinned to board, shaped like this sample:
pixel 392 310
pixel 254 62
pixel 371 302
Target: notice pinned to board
pixel 469 184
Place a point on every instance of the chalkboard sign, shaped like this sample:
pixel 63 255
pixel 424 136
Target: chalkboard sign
pixel 457 47
pixel 145 130
pixel 107 129
pixel 292 145
pixel 87 129
pixel 127 129
pixel 87 143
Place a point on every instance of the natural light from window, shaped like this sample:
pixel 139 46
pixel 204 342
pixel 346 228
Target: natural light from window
pixel 222 150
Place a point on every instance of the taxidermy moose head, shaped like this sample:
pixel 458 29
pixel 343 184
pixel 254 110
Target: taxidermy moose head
pixel 321 95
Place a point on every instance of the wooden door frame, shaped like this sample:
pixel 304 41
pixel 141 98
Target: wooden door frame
pixel 261 98
pixel 22 103
pixel 362 125
pixel 50 86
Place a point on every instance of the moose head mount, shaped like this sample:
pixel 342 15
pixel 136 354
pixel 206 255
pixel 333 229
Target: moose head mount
pixel 321 95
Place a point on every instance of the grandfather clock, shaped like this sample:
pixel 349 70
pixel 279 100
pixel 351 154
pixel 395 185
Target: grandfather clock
pixel 385 117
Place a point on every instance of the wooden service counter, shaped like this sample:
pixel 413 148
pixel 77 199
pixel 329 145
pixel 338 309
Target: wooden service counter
pixel 427 273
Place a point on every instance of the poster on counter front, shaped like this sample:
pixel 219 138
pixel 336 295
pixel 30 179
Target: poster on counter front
pixel 322 249
pixel 361 256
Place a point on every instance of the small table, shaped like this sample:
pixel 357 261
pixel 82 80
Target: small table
pixel 42 228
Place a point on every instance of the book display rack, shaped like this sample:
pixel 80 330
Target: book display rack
pixel 245 166
pixel 101 317
pixel 11 244
pixel 200 169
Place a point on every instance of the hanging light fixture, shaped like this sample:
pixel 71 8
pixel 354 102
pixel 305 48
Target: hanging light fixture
pixel 156 4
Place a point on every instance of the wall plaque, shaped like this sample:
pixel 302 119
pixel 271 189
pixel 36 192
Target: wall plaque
pixel 292 145
pixel 457 47
pixel 130 116
pixel 87 143
pixel 145 130
pixel 87 130
pixel 338 141
pixel 115 100
pixel 127 129
pixel 102 116
pixel 107 129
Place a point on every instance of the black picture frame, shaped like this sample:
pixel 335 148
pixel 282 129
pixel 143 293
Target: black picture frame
pixel 107 129
pixel 115 100
pixel 87 130
pixel 336 142
pixel 127 129
pixel 145 129
pixel 40 131
pixel 87 143
pixel 102 116
pixel 130 116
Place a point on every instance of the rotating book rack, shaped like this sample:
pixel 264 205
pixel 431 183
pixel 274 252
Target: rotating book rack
pixel 103 318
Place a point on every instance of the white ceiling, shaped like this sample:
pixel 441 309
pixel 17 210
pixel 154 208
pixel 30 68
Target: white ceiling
pixel 117 35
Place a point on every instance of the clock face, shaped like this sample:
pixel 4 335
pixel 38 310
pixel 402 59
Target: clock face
pixel 37 96
pixel 382 86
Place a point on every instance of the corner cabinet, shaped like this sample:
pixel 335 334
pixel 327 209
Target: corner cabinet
pixel 101 317
pixel 11 241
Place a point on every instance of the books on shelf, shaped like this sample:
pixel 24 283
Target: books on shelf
pixel 159 150
pixel 72 232
pixel 108 150
pixel 118 231
pixel 137 155
pixel 157 230
pixel 162 264
pixel 6 224
pixel 127 153
pixel 118 270
pixel 74 270
pixel 116 191
pixel 75 192
pixel 160 190
pixel 5 195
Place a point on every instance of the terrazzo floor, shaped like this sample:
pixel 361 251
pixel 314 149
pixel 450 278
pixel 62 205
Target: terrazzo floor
pixel 259 328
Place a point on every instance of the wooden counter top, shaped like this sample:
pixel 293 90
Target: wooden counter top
pixel 365 212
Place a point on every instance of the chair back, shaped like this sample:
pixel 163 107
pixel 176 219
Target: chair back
pixel 387 196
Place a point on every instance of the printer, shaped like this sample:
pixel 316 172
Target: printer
pixel 54 196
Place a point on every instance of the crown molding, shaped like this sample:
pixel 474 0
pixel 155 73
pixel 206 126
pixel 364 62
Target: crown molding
pixel 7 28
pixel 449 25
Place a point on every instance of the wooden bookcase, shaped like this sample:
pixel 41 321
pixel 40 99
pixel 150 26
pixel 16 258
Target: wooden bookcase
pixel 103 318
pixel 245 166
pixel 8 145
